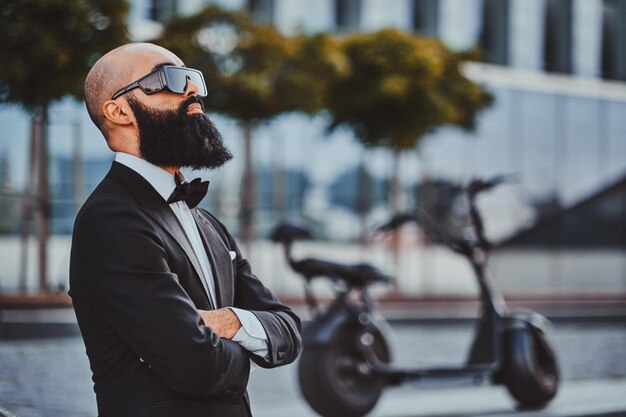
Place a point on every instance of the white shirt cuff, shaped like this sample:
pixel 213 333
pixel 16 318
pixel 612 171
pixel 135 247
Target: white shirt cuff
pixel 251 336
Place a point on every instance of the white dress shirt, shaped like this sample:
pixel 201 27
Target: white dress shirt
pixel 251 336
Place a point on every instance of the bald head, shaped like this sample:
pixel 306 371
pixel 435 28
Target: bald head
pixel 117 69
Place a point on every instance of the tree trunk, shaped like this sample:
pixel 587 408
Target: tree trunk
pixel 248 189
pixel 395 181
pixel 426 197
pixel 363 196
pixel 279 197
pixel 43 206
pixel 78 166
pixel 27 205
pixel 396 238
pixel 425 217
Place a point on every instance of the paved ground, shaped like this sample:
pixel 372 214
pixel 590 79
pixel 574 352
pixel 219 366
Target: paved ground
pixel 577 398
pixel 51 377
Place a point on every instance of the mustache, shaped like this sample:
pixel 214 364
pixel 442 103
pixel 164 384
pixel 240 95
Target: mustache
pixel 188 102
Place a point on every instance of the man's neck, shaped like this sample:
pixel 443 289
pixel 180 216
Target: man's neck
pixel 171 169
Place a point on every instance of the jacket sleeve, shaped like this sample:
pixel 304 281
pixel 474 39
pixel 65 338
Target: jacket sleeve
pixel 282 326
pixel 123 264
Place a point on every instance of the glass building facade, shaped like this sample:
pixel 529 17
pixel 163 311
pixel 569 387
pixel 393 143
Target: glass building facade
pixel 555 67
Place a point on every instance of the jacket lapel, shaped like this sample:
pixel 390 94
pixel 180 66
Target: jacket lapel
pixel 219 258
pixel 160 211
pixel 173 227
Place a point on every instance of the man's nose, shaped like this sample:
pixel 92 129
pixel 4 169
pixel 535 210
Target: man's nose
pixel 191 89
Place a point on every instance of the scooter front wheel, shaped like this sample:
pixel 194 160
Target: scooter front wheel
pixel 531 372
pixel 334 378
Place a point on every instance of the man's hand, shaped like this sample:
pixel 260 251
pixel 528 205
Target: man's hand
pixel 223 322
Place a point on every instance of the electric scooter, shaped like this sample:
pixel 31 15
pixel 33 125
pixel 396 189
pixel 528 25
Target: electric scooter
pixel 346 362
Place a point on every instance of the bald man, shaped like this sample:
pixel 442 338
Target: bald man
pixel 172 317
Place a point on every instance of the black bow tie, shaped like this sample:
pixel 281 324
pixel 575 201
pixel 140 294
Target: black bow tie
pixel 192 192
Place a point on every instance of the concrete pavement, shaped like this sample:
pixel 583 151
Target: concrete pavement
pixel 38 375
pixel 596 397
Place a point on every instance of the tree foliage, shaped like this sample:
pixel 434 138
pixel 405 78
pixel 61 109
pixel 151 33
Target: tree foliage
pixel 400 87
pixel 311 72
pixel 254 72
pixel 48 46
pixel 391 88
pixel 249 93
pixel 46 49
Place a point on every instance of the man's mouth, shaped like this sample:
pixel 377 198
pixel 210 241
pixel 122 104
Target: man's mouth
pixel 194 108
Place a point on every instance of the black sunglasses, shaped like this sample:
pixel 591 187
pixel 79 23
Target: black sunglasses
pixel 167 77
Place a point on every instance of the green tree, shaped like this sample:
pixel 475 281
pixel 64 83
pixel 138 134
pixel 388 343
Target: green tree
pixel 400 88
pixel 253 73
pixel 46 49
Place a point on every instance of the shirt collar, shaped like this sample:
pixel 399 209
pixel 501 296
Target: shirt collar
pixel 161 180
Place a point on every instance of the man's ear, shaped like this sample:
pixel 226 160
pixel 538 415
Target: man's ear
pixel 116 113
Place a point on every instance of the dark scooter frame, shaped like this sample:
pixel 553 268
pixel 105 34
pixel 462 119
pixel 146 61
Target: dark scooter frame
pixel 345 363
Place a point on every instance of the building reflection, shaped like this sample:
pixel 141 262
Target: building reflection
pixel 557 71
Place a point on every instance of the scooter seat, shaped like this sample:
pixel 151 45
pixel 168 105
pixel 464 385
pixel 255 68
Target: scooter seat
pixel 354 275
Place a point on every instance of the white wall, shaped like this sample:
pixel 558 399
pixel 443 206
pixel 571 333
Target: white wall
pixel 294 16
pixel 460 23
pixel 379 14
pixel 587 42
pixel 526 33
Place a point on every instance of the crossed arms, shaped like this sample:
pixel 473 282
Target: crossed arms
pixel 122 259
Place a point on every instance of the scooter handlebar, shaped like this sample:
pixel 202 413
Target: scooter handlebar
pixel 287 232
pixel 478 185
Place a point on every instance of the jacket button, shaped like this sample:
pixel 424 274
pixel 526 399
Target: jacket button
pixel 228 393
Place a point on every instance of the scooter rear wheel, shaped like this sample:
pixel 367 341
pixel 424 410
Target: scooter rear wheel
pixel 531 372
pixel 336 381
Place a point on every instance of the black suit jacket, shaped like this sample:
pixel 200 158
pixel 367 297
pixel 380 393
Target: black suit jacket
pixel 135 286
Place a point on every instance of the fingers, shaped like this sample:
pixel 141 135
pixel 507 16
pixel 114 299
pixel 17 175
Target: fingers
pixel 224 322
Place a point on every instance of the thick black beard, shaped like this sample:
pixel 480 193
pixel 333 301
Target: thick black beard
pixel 174 138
